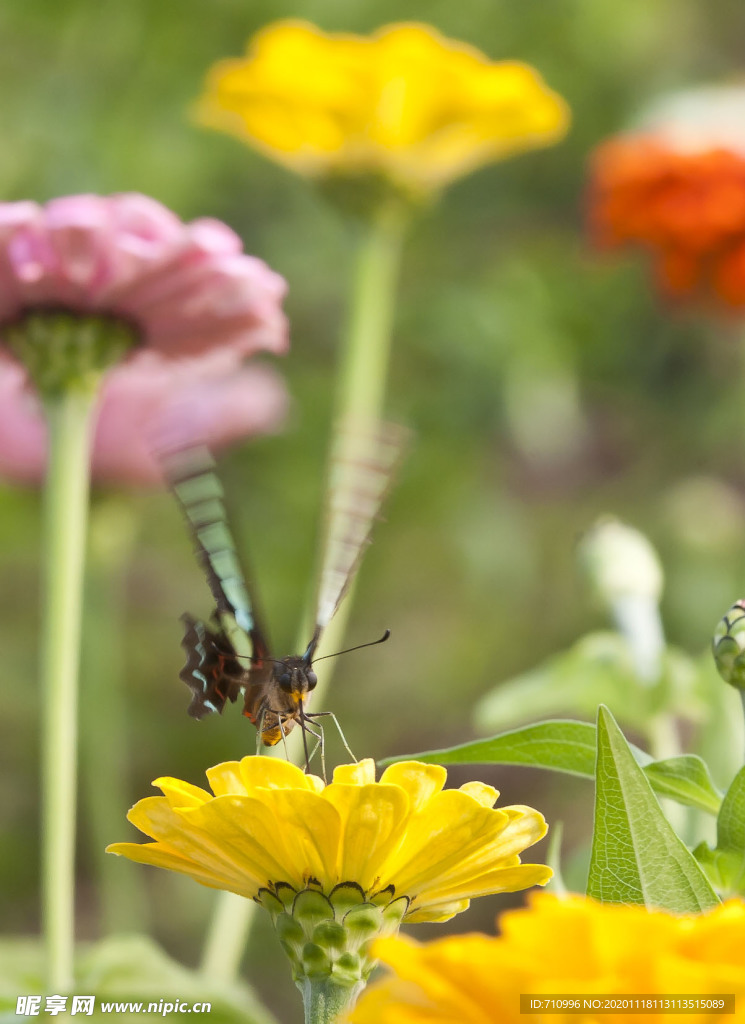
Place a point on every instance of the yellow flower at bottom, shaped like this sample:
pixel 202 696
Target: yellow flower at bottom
pixel 269 825
pixel 337 865
pixel 405 103
pixel 571 946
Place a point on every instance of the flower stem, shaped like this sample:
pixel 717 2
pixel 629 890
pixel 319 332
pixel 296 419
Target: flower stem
pixel 362 379
pixel 327 1002
pixel 104 740
pixel 360 397
pixel 227 937
pixel 69 420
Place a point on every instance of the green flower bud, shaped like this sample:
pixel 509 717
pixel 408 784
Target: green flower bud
pixel 728 645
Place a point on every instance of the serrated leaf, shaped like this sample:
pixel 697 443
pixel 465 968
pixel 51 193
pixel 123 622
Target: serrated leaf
pixel 127 969
pixel 567 746
pixel 636 856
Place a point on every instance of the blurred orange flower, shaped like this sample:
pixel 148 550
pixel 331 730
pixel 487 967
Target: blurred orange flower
pixel 405 103
pixel 676 187
pixel 571 946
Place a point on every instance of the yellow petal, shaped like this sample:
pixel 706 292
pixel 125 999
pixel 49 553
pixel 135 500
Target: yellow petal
pixel 178 834
pixel 181 794
pixel 158 856
pixel 373 825
pixel 272 773
pixel 311 833
pixel 500 879
pixel 226 779
pixel 360 774
pixel 243 832
pixel 420 781
pixel 487 796
pixel 453 827
pixel 435 913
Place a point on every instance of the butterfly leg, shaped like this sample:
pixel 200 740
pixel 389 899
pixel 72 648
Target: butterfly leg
pixel 335 720
pixel 259 730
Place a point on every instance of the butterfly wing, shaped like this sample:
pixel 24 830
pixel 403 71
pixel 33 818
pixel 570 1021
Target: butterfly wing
pixel 213 670
pixel 361 474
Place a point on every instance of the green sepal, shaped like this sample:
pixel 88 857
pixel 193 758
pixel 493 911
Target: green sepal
pixel 327 936
pixel 316 961
pixel 310 907
pixel 65 351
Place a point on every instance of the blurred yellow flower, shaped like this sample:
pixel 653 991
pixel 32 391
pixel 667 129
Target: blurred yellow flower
pixel 571 946
pixel 405 103
pixel 270 825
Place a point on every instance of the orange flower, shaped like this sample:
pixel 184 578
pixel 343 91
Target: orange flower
pixel 677 188
pixel 572 946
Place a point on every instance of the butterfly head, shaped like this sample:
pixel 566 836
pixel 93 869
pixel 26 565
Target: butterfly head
pixel 295 677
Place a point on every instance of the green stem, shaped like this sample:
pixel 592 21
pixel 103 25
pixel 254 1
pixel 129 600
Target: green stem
pixel 227 937
pixel 360 397
pixel 69 419
pixel 327 1002
pixel 362 379
pixel 104 741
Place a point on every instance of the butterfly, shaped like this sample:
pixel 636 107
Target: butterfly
pixel 232 655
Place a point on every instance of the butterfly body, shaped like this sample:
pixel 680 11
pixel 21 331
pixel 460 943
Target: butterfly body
pixel 231 656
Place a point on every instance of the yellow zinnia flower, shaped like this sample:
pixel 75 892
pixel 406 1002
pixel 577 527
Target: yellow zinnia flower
pixel 571 946
pixel 405 103
pixel 314 854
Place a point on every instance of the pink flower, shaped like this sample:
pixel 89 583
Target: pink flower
pixel 188 288
pixel 148 402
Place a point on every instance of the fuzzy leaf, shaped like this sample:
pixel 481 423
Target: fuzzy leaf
pixel 636 855
pixel 567 746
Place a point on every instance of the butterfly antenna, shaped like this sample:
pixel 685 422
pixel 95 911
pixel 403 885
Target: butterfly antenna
pixel 371 643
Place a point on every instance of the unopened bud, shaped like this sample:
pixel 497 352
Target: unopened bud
pixel 620 562
pixel 728 645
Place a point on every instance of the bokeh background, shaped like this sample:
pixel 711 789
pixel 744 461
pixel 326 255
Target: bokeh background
pixel 545 384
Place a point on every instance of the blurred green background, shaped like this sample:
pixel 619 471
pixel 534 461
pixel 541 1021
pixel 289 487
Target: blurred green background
pixel 545 384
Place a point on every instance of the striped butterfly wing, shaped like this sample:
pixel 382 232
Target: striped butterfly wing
pixel 214 671
pixel 361 475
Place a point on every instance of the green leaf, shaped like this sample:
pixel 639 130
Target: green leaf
pixel 685 779
pixel 725 865
pixel 126 969
pixel 636 855
pixel 561 744
pixel 567 746
pixel 731 821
